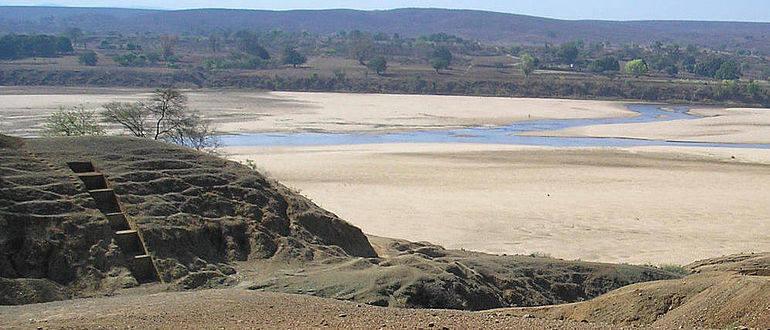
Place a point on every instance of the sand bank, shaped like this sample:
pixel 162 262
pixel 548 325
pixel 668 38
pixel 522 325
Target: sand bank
pixel 637 205
pixel 23 110
pixel 734 125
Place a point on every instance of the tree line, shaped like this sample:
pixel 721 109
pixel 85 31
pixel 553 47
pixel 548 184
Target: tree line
pixel 15 46
pixel 667 59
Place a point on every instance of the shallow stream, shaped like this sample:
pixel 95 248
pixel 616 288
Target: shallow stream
pixel 493 135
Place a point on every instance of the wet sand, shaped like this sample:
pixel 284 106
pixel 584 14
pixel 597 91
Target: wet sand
pixel 734 125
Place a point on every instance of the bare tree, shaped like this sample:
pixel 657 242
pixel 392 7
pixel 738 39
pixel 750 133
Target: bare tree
pixel 164 117
pixel 132 116
pixel 214 42
pixel 362 48
pixel 169 107
pixel 167 44
pixel 194 132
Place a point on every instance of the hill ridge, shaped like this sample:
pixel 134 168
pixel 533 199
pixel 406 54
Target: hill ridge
pixel 485 26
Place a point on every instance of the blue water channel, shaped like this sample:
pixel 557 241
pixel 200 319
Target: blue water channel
pixel 493 135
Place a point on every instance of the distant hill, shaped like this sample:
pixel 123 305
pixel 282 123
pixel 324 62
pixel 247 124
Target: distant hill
pixel 491 27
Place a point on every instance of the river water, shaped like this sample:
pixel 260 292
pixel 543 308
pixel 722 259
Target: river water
pixel 492 135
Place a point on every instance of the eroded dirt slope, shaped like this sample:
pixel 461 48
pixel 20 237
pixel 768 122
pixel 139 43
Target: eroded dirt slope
pixel 725 292
pixel 211 223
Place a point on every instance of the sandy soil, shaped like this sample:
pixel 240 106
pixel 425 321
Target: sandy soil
pixel 23 110
pixel 637 205
pixel 735 125
pixel 241 309
pixel 331 112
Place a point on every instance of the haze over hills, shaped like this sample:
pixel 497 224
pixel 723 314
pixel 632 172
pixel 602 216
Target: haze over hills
pixel 491 27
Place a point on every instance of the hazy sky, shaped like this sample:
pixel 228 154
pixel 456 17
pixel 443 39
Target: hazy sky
pixel 723 10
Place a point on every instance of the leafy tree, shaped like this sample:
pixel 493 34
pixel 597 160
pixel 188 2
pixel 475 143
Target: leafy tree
pixel 152 57
pixel 752 88
pixel 377 64
pixel 672 70
pixel 44 45
pixel 8 47
pixel 248 42
pixel 636 68
pixel 729 70
pixel 133 46
pixel 64 45
pixel 293 57
pixel 381 36
pixel 528 64
pixel 709 67
pixel 608 63
pixel 72 122
pixel 567 52
pixel 688 64
pixel 439 64
pixel 443 37
pixel 443 53
pixel 16 46
pixel 130 59
pixel 88 58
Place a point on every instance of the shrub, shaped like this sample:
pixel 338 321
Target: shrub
pixel 130 59
pixel 73 122
pixel 674 268
pixel 88 58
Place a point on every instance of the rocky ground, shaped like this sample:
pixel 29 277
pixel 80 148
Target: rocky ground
pixel 240 309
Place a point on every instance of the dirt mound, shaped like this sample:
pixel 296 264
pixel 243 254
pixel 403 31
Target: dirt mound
pixel 423 275
pixel 30 290
pixel 210 223
pixel 725 292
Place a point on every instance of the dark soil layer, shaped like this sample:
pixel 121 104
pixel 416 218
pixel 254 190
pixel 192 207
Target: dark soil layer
pixel 209 222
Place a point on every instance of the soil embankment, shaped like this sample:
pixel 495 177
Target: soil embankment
pixel 209 222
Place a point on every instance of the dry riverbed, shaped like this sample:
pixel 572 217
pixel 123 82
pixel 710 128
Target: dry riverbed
pixel 638 205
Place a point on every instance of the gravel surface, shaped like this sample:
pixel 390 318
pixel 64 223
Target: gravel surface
pixel 232 308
